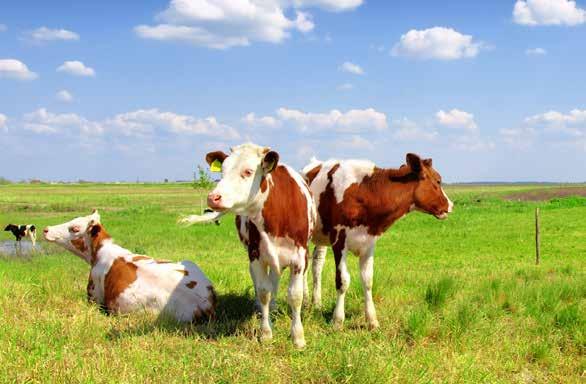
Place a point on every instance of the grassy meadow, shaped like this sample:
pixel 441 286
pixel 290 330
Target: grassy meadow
pixel 458 300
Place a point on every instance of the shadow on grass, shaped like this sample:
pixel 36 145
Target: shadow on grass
pixel 233 311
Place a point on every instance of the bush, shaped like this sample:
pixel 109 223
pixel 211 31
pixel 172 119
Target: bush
pixel 203 181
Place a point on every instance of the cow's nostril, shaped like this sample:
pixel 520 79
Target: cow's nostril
pixel 46 230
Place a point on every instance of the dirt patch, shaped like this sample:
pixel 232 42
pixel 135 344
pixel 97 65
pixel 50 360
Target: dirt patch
pixel 546 194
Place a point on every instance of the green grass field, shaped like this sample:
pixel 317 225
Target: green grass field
pixel 458 300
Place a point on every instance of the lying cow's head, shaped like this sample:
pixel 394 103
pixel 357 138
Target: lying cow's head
pixel 429 195
pixel 71 235
pixel 242 172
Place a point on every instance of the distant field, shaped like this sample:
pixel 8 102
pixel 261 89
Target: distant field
pixel 458 300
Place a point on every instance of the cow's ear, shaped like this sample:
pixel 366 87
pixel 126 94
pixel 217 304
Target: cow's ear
pixel 414 162
pixel 270 161
pixel 428 163
pixel 216 155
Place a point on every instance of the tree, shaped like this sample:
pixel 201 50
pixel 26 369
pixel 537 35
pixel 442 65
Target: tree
pixel 203 179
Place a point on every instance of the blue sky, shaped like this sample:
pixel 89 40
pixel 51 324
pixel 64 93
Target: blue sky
pixel 110 90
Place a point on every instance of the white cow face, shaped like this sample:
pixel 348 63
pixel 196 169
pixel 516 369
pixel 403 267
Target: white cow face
pixel 242 173
pixel 71 235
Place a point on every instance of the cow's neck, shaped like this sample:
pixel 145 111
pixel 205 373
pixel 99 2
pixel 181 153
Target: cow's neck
pixel 398 194
pixel 100 247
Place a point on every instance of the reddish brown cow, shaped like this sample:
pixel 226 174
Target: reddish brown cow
pixel 356 203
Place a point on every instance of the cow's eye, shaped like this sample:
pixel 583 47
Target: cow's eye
pixel 247 173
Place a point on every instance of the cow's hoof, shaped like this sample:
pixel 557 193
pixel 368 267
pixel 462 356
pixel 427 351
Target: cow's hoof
pixel 266 335
pixel 299 342
pixel 338 324
pixel 373 324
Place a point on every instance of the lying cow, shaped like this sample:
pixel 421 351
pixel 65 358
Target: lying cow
pixel 356 203
pixel 123 282
pixel 20 231
pixel 275 220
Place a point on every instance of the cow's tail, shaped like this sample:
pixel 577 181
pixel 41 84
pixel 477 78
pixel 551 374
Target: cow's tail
pixel 207 217
pixel 313 162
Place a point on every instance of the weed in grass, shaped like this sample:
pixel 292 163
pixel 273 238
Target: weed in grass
pixel 437 293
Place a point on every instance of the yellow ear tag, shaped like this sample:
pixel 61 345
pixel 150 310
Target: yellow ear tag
pixel 216 166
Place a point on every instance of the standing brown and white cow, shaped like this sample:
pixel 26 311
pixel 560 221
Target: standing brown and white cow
pixel 356 203
pixel 276 209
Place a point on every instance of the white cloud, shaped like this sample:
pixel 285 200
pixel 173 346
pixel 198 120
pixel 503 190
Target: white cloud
pixel 456 119
pixel 14 69
pixel 3 27
pixel 436 43
pixel 44 122
pixel 3 120
pixel 145 122
pixel 572 124
pixel 548 12
pixel 535 52
pixel 345 87
pixel 407 130
pixel 45 34
pixel 351 68
pixel 76 68
pixel 64 96
pixel 222 24
pixel 330 5
pixel 354 120
pixel 264 121
pixel 354 142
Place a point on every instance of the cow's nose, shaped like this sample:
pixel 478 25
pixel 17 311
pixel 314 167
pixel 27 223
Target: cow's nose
pixel 214 199
pixel 46 230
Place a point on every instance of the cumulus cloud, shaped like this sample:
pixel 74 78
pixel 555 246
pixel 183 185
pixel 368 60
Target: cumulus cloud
pixel 572 123
pixel 354 142
pixel 64 96
pixel 14 69
pixel 44 122
pixel 535 52
pixel 145 122
pixel 456 119
pixel 3 120
pixel 351 68
pixel 44 34
pixel 76 68
pixel 407 130
pixel 264 121
pixel 436 43
pixel 222 24
pixel 548 12
pixel 352 121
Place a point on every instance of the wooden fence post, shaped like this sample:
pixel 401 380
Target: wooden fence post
pixel 537 238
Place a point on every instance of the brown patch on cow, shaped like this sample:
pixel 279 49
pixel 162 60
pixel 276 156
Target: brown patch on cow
pixel 312 174
pixel 185 273
pixel 264 184
pixel 285 210
pixel 90 289
pixel 253 241
pixel 79 244
pixel 97 234
pixel 191 284
pixel 140 257
pixel 338 240
pixel 121 274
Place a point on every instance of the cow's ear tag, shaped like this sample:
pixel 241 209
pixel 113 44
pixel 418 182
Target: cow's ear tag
pixel 216 166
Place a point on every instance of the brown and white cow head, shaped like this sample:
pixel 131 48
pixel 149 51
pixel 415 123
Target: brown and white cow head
pixel 429 195
pixel 71 235
pixel 243 170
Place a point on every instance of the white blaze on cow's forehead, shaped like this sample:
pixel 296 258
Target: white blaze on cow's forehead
pixel 350 172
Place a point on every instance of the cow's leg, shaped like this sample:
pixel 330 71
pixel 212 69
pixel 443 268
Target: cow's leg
pixel 366 273
pixel 317 266
pixel 342 278
pixel 263 290
pixel 33 237
pixel 275 277
pixel 256 299
pixel 295 299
